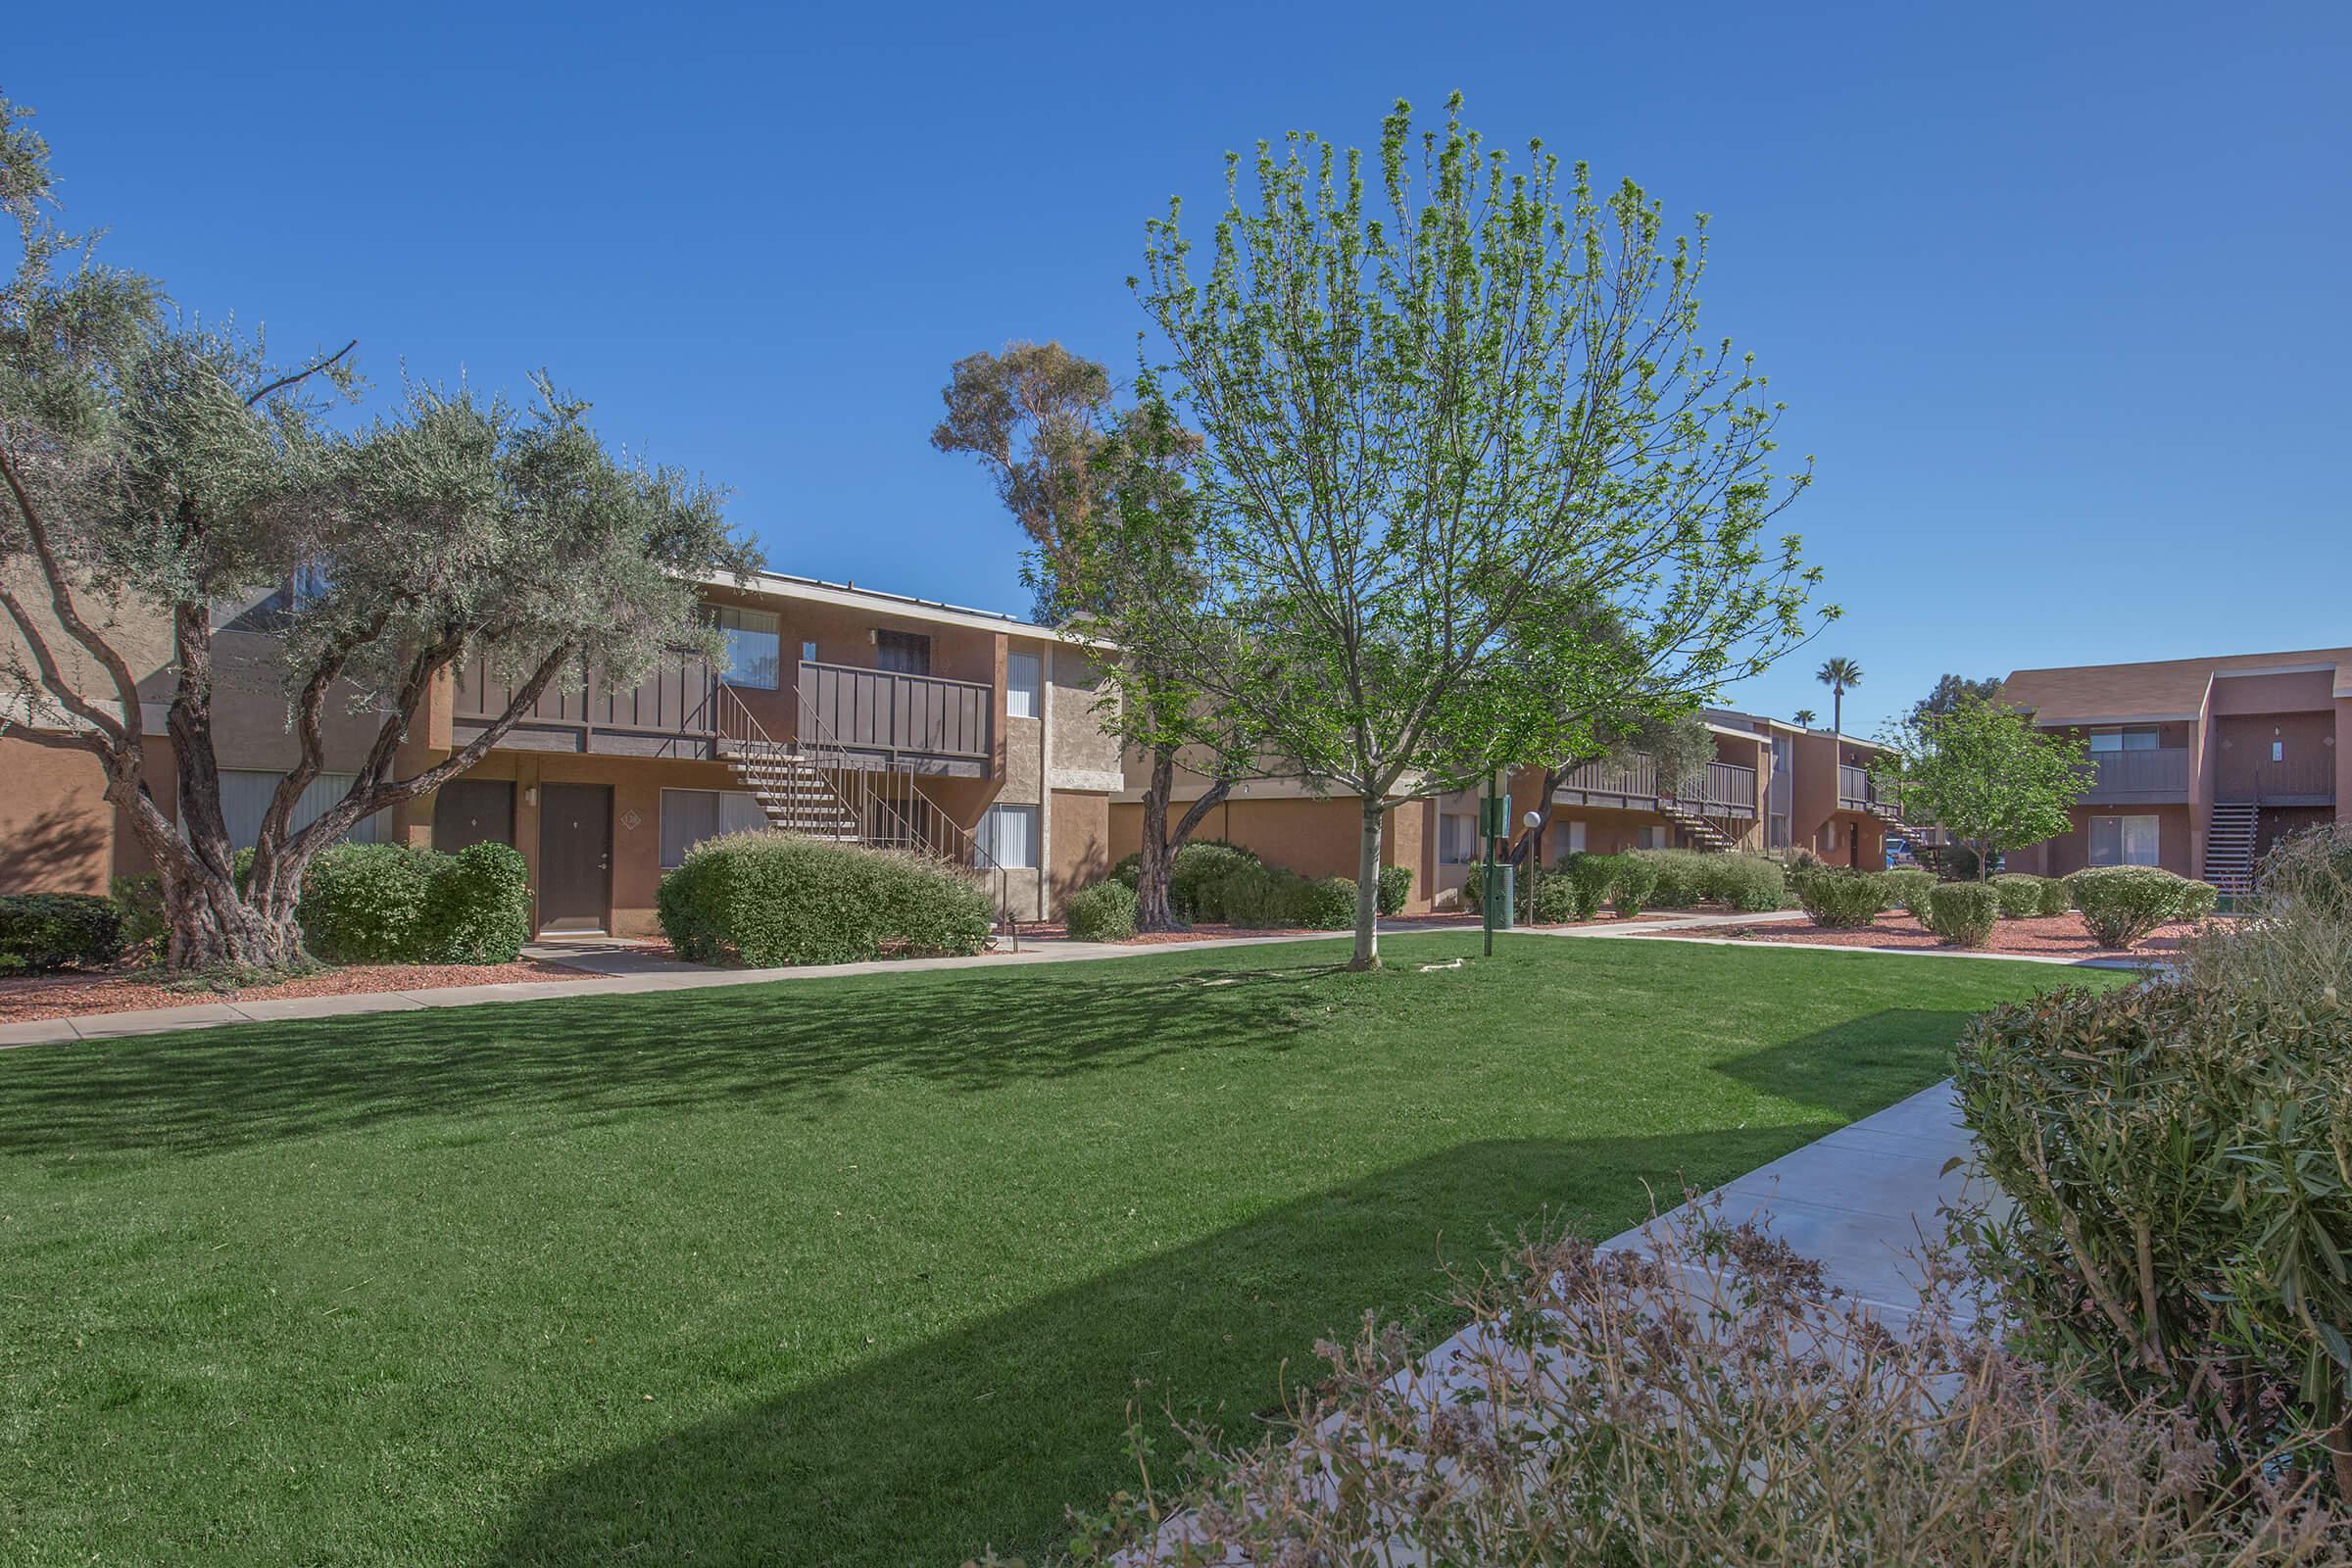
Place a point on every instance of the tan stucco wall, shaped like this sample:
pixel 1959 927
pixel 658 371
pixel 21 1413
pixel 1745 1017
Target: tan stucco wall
pixel 2071 851
pixel 1311 837
pixel 1078 855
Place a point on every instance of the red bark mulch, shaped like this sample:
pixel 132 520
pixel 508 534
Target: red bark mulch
pixel 2052 936
pixel 25 998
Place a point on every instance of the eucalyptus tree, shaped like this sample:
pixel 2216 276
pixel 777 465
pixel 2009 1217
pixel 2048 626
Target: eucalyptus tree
pixel 1431 412
pixel 160 470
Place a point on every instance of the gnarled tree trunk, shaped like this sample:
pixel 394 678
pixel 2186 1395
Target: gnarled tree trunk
pixel 1156 852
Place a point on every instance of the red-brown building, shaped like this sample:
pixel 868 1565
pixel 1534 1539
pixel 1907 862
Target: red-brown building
pixel 2201 764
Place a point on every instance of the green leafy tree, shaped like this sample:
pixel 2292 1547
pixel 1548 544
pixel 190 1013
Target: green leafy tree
pixel 1950 689
pixel 1839 675
pixel 1432 410
pixel 1984 774
pixel 157 469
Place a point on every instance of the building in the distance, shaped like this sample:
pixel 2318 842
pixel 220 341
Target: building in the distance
pixel 2200 764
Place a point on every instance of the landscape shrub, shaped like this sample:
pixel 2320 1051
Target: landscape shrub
pixel 1326 904
pixel 2021 896
pixel 1581 1423
pixel 1685 881
pixel 477 906
pixel 1586 881
pixel 1687 878
pixel 1907 888
pixel 1839 898
pixel 364 903
pixel 2122 903
pixel 1103 913
pixel 2175 1153
pixel 1964 913
pixel 1395 887
pixel 140 902
pixel 767 898
pixel 44 931
pixel 1636 877
pixel 1197 881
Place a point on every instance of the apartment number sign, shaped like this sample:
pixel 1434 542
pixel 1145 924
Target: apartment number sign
pixel 632 819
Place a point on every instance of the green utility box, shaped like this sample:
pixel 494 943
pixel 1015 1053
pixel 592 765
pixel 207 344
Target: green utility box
pixel 1502 889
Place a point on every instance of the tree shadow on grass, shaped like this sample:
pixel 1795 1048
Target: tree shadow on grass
pixel 983 1435
pixel 787 1046
pixel 1859 1066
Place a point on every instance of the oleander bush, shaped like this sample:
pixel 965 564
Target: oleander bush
pixel 477 906
pixel 1839 898
pixel 1687 878
pixel 1587 880
pixel 364 903
pixel 1964 913
pixel 1583 1423
pixel 1328 904
pixel 1396 889
pixel 2022 896
pixel 2122 903
pixel 1635 879
pixel 44 931
pixel 1907 888
pixel 764 899
pixel 1103 913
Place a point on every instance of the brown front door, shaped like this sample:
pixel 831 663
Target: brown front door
pixel 576 856
pixel 473 810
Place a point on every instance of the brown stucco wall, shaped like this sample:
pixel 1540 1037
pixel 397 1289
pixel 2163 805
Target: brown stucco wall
pixel 57 831
pixel 1078 854
pixel 1311 837
pixel 2071 852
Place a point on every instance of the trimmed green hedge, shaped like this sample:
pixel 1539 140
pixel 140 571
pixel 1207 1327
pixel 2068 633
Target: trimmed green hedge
pixel 1687 878
pixel 477 906
pixel 1839 898
pixel 768 898
pixel 43 931
pixel 1636 880
pixel 2022 897
pixel 1103 913
pixel 391 903
pixel 1964 913
pixel 1396 889
pixel 1197 881
pixel 1907 886
pixel 2122 903
pixel 1590 879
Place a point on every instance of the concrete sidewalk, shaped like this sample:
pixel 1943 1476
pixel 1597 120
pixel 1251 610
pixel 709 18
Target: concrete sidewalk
pixel 617 971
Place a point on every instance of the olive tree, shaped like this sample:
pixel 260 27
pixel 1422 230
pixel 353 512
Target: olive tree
pixel 158 470
pixel 1430 411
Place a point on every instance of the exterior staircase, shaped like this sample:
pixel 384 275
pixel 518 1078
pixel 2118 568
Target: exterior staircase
pixel 1700 828
pixel 2230 831
pixel 794 791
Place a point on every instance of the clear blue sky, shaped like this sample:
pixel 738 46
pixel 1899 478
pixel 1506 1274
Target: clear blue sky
pixel 2054 291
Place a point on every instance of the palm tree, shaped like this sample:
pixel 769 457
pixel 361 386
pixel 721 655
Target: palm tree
pixel 1837 674
pixel 1805 716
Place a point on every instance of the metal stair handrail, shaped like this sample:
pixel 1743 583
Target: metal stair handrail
pixel 852 793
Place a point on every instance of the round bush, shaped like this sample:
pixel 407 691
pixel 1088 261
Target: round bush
pixel 1395 887
pixel 1964 913
pixel 43 931
pixel 1839 899
pixel 1907 886
pixel 1636 878
pixel 1198 880
pixel 1103 913
pixel 1683 880
pixel 2122 903
pixel 364 903
pixel 777 898
pixel 477 906
pixel 1326 904
pixel 2021 895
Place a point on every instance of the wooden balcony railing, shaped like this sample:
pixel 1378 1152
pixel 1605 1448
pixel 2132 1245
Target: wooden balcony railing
pixel 670 713
pixel 1729 790
pixel 1855 792
pixel 885 718
pixel 2290 781
pixel 2159 772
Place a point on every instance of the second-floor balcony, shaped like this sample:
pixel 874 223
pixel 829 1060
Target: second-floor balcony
pixel 851 715
pixel 1855 792
pixel 2151 775
pixel 1728 790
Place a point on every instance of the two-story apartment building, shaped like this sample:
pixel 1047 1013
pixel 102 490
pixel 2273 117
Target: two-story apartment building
pixel 837 711
pixel 1770 786
pixel 2200 764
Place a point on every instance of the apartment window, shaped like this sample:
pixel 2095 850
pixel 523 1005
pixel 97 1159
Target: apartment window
pixel 807 653
pixel 1023 674
pixel 906 651
pixel 1457 839
pixel 1563 839
pixel 245 798
pixel 2123 740
pixel 754 646
pixel 689 817
pixel 1650 837
pixel 1008 836
pixel 2123 841
pixel 2277 751
pixel 1777 833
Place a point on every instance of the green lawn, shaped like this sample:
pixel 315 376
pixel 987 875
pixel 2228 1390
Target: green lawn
pixel 862 1271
